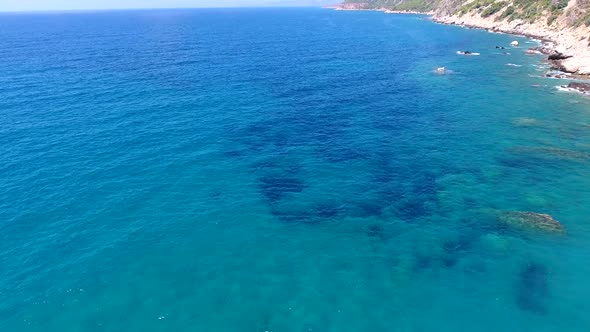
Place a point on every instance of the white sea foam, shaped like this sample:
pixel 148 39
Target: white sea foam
pixel 564 88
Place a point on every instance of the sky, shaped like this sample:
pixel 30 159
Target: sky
pixel 34 5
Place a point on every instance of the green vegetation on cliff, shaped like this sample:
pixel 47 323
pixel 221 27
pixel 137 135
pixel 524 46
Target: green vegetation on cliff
pixel 417 5
pixel 526 10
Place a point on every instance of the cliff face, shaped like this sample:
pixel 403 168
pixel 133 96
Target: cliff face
pixel 566 22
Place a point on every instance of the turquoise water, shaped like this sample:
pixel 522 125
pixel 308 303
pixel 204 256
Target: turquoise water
pixel 284 170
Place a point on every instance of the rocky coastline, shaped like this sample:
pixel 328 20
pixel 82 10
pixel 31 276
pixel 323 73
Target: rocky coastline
pixel 567 49
pixel 364 7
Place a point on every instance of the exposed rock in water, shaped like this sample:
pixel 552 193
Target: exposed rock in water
pixel 580 87
pixel 558 74
pixel 544 49
pixel 532 51
pixel 532 289
pixel 531 221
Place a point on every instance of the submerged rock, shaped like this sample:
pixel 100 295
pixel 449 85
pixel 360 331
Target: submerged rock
pixel 532 289
pixel 458 246
pixel 531 221
pixel 551 153
pixel 376 231
pixel 524 122
pixel 275 187
pixel 494 243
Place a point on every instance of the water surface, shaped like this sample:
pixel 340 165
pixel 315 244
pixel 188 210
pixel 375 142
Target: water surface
pixel 283 170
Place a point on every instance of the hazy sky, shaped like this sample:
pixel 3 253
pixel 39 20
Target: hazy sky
pixel 18 5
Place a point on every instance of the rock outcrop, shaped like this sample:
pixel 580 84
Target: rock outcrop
pixel 558 56
pixel 531 221
pixel 580 87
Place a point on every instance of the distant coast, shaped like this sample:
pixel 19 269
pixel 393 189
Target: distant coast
pixel 363 7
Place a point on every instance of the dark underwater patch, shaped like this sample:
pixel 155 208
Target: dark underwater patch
pixel 517 162
pixel 422 263
pixel 411 209
pixel 532 157
pixel 390 193
pixel 275 187
pixel 383 177
pixel 293 216
pixel 479 223
pixel 264 323
pixel 532 289
pixel 339 155
pixel 376 231
pixel 276 166
pixel 470 202
pixel 425 186
pixel 413 197
pixel 307 215
pixel 327 210
pixel 449 262
pixel 460 245
pixel 234 153
pixel 455 249
pixel 368 209
pixel 550 153
pixel 273 136
pixel 383 170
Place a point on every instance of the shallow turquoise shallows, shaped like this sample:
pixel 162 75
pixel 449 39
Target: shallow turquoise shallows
pixel 285 170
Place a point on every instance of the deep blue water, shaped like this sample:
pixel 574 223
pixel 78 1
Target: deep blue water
pixel 284 170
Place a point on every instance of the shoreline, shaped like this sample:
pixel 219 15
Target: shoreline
pixel 383 10
pixel 574 58
pixel 565 46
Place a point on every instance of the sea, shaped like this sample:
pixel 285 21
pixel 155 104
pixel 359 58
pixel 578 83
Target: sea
pixel 272 169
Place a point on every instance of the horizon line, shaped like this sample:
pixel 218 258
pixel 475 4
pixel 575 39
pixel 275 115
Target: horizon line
pixel 74 10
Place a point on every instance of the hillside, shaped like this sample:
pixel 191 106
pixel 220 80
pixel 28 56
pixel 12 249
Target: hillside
pixel 565 22
pixel 414 5
pixel 574 12
pixel 528 10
